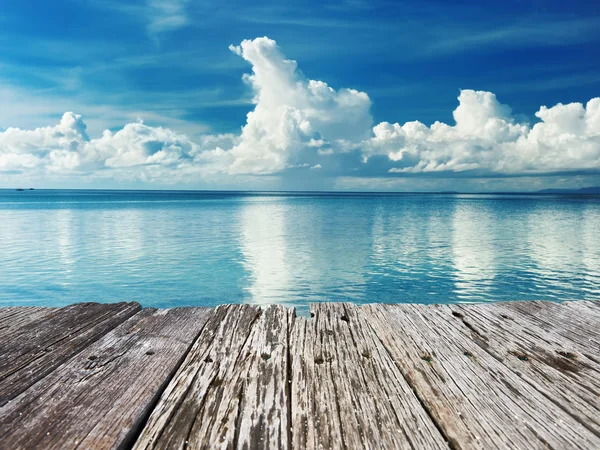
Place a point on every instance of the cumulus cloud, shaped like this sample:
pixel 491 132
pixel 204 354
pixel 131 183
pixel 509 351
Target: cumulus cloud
pixel 299 124
pixel 486 138
pixel 137 151
pixel 292 114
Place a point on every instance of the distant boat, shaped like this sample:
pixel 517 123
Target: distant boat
pixel 20 189
pixel 31 189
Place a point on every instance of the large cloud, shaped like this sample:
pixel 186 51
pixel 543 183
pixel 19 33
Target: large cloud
pixel 292 115
pixel 303 124
pixel 66 149
pixel 487 139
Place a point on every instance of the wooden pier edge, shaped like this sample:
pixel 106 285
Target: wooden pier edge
pixel 495 375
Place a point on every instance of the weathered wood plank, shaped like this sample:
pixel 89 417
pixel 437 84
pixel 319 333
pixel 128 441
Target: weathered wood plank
pixel 13 318
pixel 262 420
pixel 521 375
pixel 100 398
pixel 347 391
pixel 478 402
pixel 315 417
pixel 563 325
pixel 548 362
pixel 572 320
pixel 32 352
pixel 198 405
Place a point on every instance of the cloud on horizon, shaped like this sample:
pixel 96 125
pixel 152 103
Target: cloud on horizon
pixel 300 125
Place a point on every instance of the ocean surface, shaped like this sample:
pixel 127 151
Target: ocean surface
pixel 166 249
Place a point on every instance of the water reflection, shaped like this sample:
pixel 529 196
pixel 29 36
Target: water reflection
pixel 209 250
pixel 473 252
pixel 590 243
pixel 556 248
pixel 297 253
pixel 263 245
pixel 65 242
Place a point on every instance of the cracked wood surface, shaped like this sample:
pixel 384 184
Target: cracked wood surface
pixel 35 350
pixel 231 392
pixel 500 375
pixel 13 318
pixel 200 404
pixel 101 397
pixel 347 390
pixel 557 368
pixel 476 398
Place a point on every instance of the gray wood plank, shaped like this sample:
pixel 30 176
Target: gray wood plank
pixel 347 391
pixel 100 398
pixel 572 320
pixel 477 402
pixel 33 351
pixel 315 418
pixel 13 318
pixel 198 407
pixel 549 362
pixel 262 420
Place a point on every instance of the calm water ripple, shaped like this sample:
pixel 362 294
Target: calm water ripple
pixel 183 248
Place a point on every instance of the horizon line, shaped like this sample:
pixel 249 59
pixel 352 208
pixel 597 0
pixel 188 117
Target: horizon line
pixel 547 191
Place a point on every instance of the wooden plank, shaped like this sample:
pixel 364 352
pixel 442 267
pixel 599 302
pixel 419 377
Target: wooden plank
pixel 547 361
pixel 315 417
pixel 248 405
pixel 32 352
pixel 568 327
pixel 13 318
pixel 571 320
pixel 199 405
pixel 590 306
pixel 262 420
pixel 477 402
pixel 100 398
pixel 347 391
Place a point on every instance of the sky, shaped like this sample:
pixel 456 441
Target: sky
pixel 347 95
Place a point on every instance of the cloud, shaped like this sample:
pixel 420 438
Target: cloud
pixel 299 125
pixel 486 139
pixel 533 31
pixel 166 15
pixel 159 15
pixel 138 151
pixel 292 115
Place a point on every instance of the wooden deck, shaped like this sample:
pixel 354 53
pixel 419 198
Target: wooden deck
pixel 504 375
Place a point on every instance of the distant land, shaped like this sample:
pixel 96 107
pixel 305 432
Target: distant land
pixel 586 190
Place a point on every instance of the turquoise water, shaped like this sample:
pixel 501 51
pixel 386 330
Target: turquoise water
pixel 201 249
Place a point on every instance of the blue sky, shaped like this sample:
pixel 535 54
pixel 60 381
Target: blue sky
pixel 168 63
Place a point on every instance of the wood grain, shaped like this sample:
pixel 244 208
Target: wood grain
pixel 476 400
pixel 502 375
pixel 100 398
pixel 575 321
pixel 550 363
pixel 262 419
pixel 347 391
pixel 33 351
pixel 198 405
pixel 13 318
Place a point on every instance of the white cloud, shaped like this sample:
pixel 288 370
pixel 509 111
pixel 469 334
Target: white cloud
pixel 66 149
pixel 158 15
pixel 301 124
pixel 487 139
pixel 166 15
pixel 292 114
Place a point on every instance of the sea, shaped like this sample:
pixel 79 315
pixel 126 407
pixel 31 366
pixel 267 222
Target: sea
pixel 197 248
